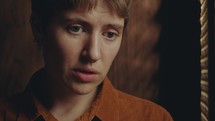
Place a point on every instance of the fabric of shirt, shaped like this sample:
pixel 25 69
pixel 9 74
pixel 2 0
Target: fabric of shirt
pixel 109 105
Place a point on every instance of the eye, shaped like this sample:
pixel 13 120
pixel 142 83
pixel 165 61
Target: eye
pixel 111 35
pixel 76 29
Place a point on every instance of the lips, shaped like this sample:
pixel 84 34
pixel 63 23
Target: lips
pixel 85 74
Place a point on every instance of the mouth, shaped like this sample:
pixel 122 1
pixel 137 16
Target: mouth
pixel 86 70
pixel 85 75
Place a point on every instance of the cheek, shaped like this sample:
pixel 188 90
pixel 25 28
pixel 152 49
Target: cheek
pixel 69 52
pixel 110 53
pixel 60 50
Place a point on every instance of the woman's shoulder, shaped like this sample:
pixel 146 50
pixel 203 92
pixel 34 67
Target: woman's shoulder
pixel 11 101
pixel 139 108
pixel 3 103
pixel 133 100
pixel 15 102
pixel 8 108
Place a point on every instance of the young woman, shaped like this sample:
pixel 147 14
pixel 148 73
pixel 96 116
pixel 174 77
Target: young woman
pixel 79 39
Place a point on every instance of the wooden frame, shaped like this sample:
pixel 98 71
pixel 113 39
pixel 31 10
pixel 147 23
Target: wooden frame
pixel 207 60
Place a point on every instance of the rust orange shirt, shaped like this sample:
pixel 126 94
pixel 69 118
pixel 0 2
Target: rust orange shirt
pixel 110 105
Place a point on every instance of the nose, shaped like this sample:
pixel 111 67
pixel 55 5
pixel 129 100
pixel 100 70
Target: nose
pixel 91 52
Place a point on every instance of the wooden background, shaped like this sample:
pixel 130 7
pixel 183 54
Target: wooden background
pixel 19 57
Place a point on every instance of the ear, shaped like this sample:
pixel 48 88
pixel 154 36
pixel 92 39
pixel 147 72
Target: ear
pixel 37 29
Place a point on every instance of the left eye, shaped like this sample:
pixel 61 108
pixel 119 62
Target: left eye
pixel 111 35
pixel 75 29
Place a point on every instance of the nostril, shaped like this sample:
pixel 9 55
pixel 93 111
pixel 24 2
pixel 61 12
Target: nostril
pixel 85 59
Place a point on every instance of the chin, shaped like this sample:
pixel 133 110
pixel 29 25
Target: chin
pixel 81 89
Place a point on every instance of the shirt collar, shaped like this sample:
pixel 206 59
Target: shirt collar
pixel 108 109
pixel 43 113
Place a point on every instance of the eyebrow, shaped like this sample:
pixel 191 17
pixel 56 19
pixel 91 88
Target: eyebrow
pixel 116 26
pixel 119 27
pixel 74 20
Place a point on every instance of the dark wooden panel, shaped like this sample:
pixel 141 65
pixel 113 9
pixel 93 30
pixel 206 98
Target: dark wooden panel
pixel 19 56
pixel 179 69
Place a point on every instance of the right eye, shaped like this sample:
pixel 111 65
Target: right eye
pixel 76 29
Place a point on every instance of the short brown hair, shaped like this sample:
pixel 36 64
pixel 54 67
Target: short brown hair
pixel 45 9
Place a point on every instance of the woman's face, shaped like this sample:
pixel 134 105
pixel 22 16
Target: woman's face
pixel 80 47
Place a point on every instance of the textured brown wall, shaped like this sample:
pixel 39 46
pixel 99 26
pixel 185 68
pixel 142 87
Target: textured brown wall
pixel 132 70
pixel 18 53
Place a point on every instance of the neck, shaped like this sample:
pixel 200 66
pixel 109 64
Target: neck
pixel 71 107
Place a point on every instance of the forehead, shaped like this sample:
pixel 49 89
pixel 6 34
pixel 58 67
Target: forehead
pixel 100 12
